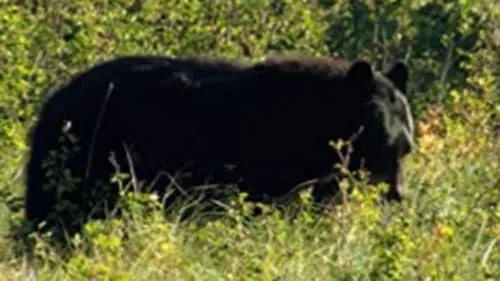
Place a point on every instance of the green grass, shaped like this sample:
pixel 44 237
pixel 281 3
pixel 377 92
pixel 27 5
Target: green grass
pixel 447 229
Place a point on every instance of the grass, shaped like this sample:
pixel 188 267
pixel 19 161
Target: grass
pixel 448 229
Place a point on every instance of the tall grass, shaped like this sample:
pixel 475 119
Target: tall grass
pixel 447 229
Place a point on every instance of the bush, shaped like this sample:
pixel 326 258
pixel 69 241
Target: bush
pixel 448 230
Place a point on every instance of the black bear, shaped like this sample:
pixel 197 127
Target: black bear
pixel 264 126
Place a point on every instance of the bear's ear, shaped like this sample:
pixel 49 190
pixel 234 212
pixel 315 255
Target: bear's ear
pixel 398 74
pixel 361 73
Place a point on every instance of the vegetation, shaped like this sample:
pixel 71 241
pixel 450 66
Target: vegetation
pixel 448 229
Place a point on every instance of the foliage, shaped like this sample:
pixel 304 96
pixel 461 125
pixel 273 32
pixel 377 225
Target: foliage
pixel 448 229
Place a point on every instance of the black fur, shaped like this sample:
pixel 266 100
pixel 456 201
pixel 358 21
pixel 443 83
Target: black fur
pixel 272 121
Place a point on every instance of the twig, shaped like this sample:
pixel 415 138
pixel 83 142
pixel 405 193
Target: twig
pixel 96 129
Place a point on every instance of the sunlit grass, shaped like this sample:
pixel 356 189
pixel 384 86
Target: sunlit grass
pixel 447 230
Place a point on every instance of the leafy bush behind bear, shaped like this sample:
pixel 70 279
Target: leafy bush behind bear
pixel 449 230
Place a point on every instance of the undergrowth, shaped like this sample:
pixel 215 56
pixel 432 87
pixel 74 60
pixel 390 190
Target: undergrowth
pixel 448 228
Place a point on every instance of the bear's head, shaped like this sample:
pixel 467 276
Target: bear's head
pixel 387 129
